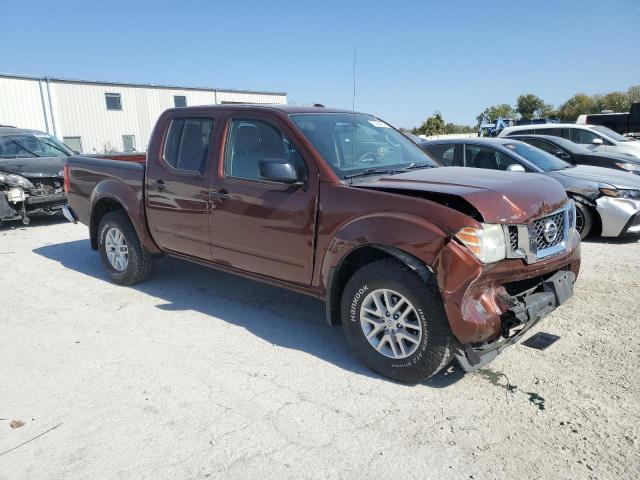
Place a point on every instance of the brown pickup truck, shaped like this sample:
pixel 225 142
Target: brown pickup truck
pixel 419 264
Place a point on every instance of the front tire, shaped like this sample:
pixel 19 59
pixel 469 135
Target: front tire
pixel 584 220
pixel 124 258
pixel 396 322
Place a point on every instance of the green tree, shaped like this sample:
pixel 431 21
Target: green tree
pixel 633 94
pixel 492 113
pixel 530 106
pixel 434 125
pixel 617 101
pixel 579 104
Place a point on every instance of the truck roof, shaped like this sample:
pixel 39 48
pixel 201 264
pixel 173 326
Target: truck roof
pixel 266 106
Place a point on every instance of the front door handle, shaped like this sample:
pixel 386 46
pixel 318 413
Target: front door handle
pixel 220 194
pixel 160 185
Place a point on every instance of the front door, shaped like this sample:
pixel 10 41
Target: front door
pixel 177 188
pixel 257 225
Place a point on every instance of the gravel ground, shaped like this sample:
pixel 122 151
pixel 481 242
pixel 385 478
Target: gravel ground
pixel 199 374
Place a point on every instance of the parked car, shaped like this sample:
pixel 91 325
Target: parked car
pixel 593 137
pixel 418 263
pixel 578 155
pixel 623 123
pixel 31 180
pixel 605 198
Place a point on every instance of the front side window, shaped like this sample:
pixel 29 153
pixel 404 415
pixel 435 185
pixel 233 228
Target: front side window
pixel 187 144
pixel 74 143
pixel 354 143
pixel 250 142
pixel 582 136
pixel 113 101
pixel 541 159
pixel 542 145
pixel 445 154
pixel 32 145
pixel 478 156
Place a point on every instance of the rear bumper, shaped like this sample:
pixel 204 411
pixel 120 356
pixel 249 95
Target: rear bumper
pixel 522 314
pixel 619 216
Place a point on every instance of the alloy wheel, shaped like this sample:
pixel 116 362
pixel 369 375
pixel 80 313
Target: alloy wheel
pixel 116 249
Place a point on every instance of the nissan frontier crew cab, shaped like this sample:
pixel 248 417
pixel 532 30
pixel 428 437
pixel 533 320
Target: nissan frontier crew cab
pixel 419 263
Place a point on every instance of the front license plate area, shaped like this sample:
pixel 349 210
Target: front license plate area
pixel 561 285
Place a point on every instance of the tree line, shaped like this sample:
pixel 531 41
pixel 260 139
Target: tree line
pixel 529 106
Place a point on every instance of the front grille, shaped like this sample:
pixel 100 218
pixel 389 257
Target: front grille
pixel 513 237
pixel 541 232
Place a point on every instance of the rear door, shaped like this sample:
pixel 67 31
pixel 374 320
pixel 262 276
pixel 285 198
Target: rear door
pixel 177 185
pixel 257 225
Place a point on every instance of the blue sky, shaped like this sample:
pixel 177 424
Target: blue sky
pixel 413 57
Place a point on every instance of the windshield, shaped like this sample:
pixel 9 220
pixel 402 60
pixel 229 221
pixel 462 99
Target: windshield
pixel 26 145
pixel 541 159
pixel 353 143
pixel 615 136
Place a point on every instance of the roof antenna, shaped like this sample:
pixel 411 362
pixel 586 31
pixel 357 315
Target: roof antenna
pixel 353 101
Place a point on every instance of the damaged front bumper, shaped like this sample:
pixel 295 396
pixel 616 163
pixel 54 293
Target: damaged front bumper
pixel 619 216
pixel 522 313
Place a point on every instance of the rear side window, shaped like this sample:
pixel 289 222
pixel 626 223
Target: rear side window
pixel 187 144
pixel 445 154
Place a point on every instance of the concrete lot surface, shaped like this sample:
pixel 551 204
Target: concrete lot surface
pixel 199 374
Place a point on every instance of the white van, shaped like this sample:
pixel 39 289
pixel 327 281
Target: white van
pixel 594 137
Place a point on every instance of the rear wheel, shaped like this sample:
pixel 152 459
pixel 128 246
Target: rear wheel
pixel 584 220
pixel 122 255
pixel 396 322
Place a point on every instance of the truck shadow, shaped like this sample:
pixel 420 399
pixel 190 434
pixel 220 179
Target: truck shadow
pixel 281 317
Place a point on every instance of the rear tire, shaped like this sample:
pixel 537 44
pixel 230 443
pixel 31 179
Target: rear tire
pixel 584 220
pixel 124 258
pixel 384 286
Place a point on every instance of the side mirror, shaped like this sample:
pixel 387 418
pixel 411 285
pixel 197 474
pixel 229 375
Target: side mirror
pixel 562 155
pixel 515 167
pixel 597 141
pixel 278 171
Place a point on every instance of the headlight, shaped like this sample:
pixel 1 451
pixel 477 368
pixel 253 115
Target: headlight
pixel 616 193
pixel 15 180
pixel 488 243
pixel 629 167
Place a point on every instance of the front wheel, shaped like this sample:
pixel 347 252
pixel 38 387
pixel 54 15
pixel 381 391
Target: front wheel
pixel 396 322
pixel 584 220
pixel 122 255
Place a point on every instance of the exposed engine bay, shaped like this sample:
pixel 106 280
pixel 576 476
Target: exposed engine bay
pixel 21 198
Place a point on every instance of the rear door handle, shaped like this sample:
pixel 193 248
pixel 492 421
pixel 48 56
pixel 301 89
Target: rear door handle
pixel 220 194
pixel 160 185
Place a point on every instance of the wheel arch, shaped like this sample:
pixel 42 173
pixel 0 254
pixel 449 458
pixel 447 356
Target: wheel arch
pixel 356 259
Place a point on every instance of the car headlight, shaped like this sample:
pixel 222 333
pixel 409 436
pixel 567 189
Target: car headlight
pixel 629 167
pixel 15 180
pixel 487 243
pixel 618 193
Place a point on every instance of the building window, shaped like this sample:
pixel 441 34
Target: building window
pixel 74 143
pixel 129 143
pixel 179 101
pixel 113 101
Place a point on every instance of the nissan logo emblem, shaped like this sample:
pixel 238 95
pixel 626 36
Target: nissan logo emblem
pixel 550 231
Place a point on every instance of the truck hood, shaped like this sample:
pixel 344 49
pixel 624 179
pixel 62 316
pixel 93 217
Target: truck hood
pixel 34 167
pixel 599 175
pixel 500 197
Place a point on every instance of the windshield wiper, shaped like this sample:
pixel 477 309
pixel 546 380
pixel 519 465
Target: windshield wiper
pixel 420 165
pixel 373 171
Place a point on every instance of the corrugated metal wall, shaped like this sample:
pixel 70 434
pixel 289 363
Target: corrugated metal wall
pixel 78 109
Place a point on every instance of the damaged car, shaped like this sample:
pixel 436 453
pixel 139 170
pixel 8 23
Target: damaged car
pixel 31 174
pixel 607 200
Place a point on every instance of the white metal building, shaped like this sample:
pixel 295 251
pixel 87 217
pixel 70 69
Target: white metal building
pixel 100 117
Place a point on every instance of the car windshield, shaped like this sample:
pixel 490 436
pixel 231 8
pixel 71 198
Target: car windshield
pixel 27 145
pixel 541 159
pixel 357 144
pixel 615 136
